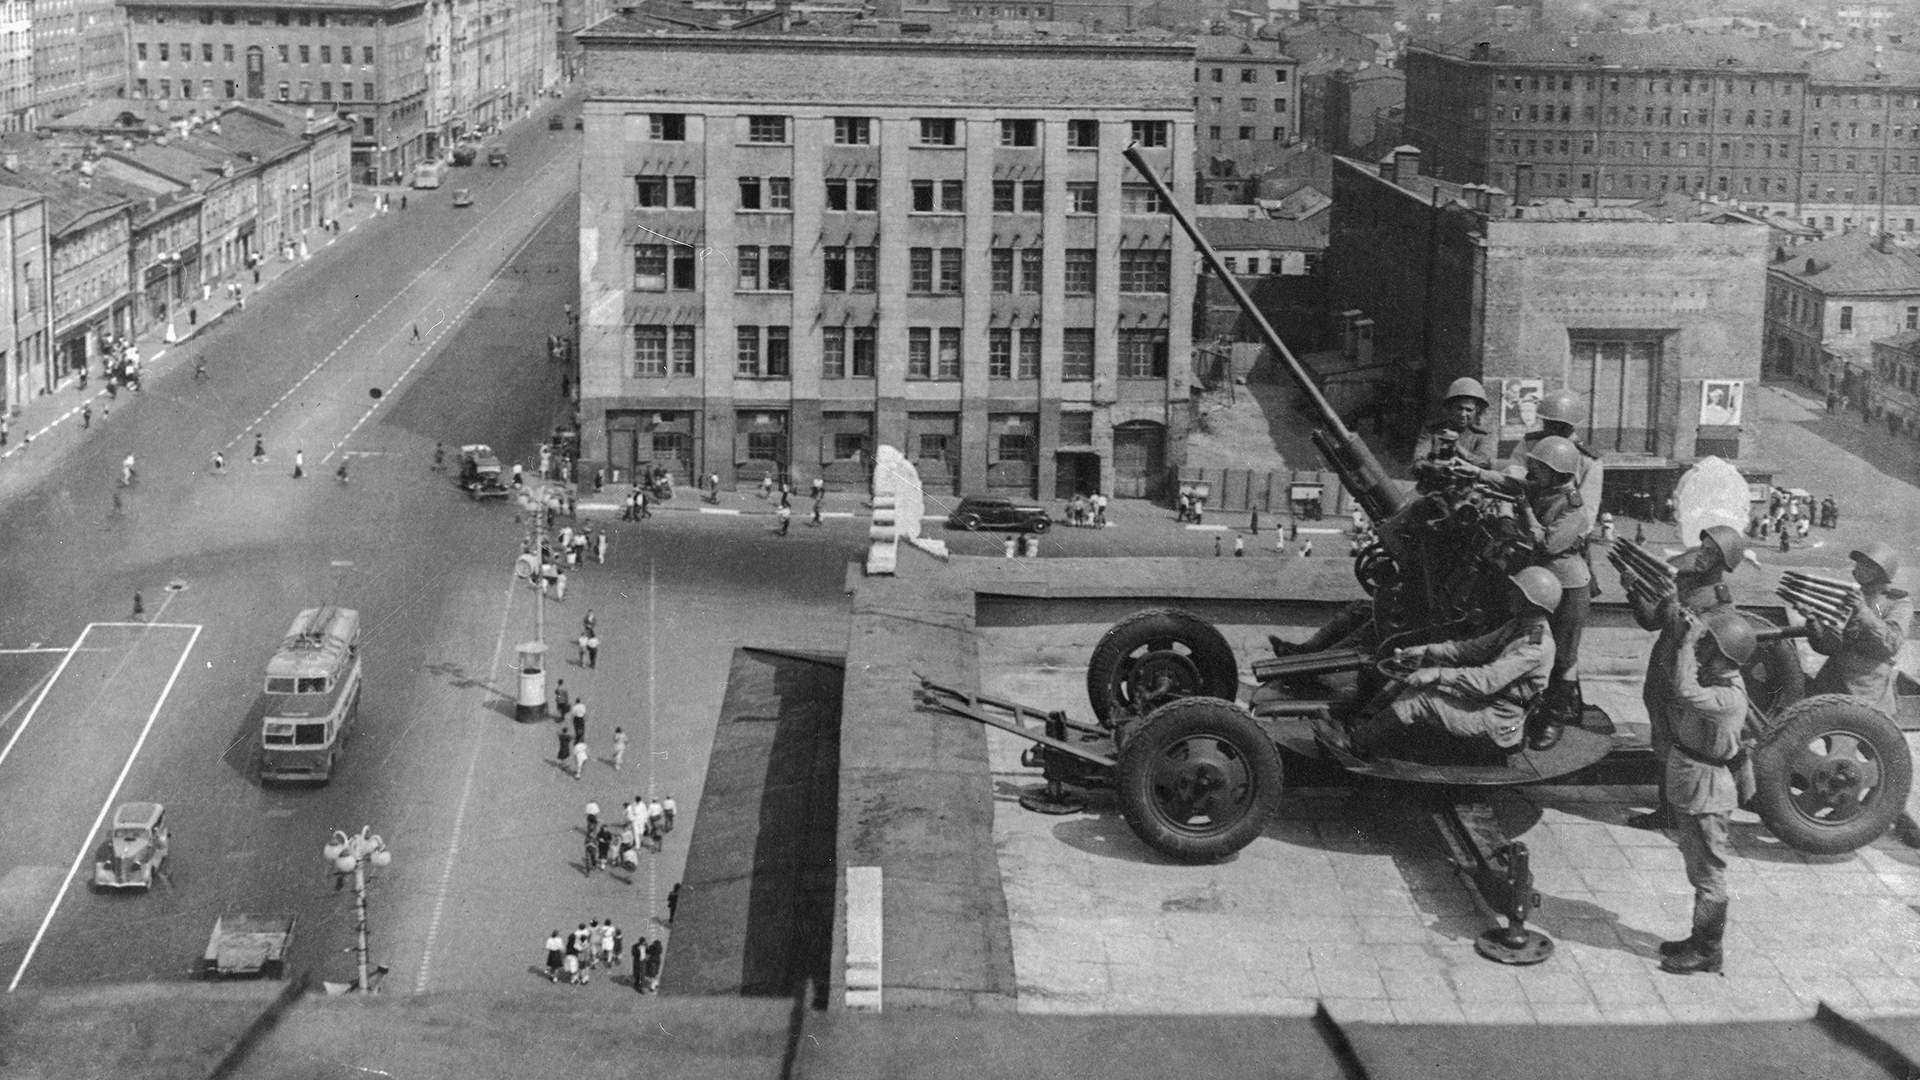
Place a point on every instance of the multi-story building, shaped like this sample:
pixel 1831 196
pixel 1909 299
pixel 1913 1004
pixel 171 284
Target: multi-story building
pixel 1245 109
pixel 1826 303
pixel 1832 140
pixel 1354 103
pixel 89 232
pixel 16 64
pixel 26 317
pixel 78 55
pixel 940 248
pixel 486 59
pixel 366 60
pixel 1645 318
pixel 1895 392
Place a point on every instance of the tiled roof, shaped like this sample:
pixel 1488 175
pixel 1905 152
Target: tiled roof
pixel 1228 47
pixel 1858 63
pixel 1851 264
pixel 67 202
pixel 1238 234
pixel 1695 52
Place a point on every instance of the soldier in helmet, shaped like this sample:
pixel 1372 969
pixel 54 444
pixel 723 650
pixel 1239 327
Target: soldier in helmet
pixel 1708 774
pixel 1555 515
pixel 1699 590
pixel 1560 412
pixel 1448 445
pixel 1480 688
pixel 1860 654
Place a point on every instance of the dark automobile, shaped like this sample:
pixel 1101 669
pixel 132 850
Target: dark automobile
pixel 556 122
pixel 463 197
pixel 998 512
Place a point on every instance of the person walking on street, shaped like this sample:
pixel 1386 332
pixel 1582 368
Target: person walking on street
pixel 580 755
pixel 589 856
pixel 580 649
pixel 815 518
pixel 593 651
pixel 619 747
pixel 785 516
pixel 603 846
pixel 578 715
pixel 668 810
pixel 673 902
pixel 560 585
pixel 570 960
pixel 604 948
pixel 593 816
pixel 566 744
pixel 639 965
pixel 259 448
pixel 654 950
pixel 562 701
pixel 86 416
pixel 657 818
pixel 299 464
pixel 557 954
pixel 600 547
pixel 219 463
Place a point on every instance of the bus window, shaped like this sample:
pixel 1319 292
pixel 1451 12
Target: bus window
pixel 282 685
pixel 277 735
pixel 310 735
pixel 313 685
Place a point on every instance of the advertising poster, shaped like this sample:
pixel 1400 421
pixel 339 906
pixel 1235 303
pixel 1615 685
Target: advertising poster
pixel 1519 407
pixel 1720 403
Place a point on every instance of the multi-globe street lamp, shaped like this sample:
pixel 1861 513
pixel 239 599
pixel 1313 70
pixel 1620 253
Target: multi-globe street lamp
pixel 352 854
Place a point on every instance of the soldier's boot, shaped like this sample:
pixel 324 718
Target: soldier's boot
pixel 1702 953
pixel 1658 819
pixel 1342 626
pixel 1549 718
pixel 1373 732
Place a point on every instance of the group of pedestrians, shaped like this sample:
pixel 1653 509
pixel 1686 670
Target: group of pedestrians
pixel 1087 511
pixel 593 944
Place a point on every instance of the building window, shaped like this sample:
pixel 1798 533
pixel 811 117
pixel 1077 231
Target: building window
pixel 852 130
pixel 663 192
pixel 326 54
pixel 1246 133
pixel 1019 133
pixel 865 349
pixel 779 352
pixel 226 53
pixel 1144 271
pixel 943 132
pixel 1026 357
pixel 919 352
pixel 866 194
pixel 945 196
pixel 779 193
pixel 833 277
pixel 1083 196
pixel 999 353
pixel 920 270
pixel 767 129
pixel 1619 377
pixel 747 267
pixel 1000 269
pixel 1143 354
pixel 1031 268
pixel 662 350
pixel 1213 132
pixel 306 54
pixel 667 127
pixel 1076 355
pixel 1141 199
pixel 746 353
pixel 1846 318
pixel 1151 132
pixel 833 352
pixel 1076 429
pixel 1080 274
pixel 750 192
pixel 1083 134
pixel 866 269
pixel 366 56
pixel 660 267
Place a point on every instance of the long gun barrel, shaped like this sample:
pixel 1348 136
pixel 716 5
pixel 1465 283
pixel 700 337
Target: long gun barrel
pixel 1345 452
pixel 1626 553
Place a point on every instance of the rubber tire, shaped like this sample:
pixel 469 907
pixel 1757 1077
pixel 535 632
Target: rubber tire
pixel 971 523
pixel 1219 672
pixel 1796 727
pixel 1779 659
pixel 1151 737
pixel 1040 525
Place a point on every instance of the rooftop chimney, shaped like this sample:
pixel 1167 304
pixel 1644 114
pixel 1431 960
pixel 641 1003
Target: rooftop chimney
pixel 1406 163
pixel 1388 169
pixel 1522 183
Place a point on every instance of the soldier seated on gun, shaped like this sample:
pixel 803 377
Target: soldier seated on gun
pixel 1452 452
pixel 1478 689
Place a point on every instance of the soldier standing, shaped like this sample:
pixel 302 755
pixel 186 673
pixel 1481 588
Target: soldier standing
pixel 1698 590
pixel 1708 774
pixel 1555 515
pixel 1560 411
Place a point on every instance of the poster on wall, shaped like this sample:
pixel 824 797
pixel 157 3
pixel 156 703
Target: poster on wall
pixel 1520 407
pixel 1720 403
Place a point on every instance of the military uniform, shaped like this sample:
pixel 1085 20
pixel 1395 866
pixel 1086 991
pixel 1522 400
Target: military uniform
pixel 1485 683
pixel 1559 525
pixel 1860 654
pixel 1708 774
pixel 1440 441
pixel 1588 481
pixel 1698 594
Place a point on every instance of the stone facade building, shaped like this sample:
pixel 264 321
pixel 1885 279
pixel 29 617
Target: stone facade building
pixel 26 315
pixel 1638 315
pixel 78 56
pixel 1245 105
pixel 1826 303
pixel 1831 139
pixel 796 247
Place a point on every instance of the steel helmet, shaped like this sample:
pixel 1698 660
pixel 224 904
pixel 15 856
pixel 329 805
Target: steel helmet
pixel 1880 556
pixel 1542 589
pixel 1726 543
pixel 1467 388
pixel 1557 454
pixel 1732 634
pixel 1564 405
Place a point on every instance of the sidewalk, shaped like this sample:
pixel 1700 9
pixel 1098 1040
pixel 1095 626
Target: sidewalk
pixel 42 428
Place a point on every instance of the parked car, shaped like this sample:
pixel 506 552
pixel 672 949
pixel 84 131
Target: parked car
pixel 136 850
pixel 998 512
pixel 463 197
pixel 480 472
pixel 464 154
pixel 496 156
pixel 556 122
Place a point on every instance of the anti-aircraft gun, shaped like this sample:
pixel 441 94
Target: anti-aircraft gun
pixel 1438 565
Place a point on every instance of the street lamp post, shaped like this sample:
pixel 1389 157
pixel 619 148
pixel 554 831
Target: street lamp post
pixel 351 854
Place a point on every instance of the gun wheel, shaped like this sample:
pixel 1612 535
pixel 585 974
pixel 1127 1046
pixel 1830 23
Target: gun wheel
pixel 1831 775
pixel 1198 779
pixel 1155 656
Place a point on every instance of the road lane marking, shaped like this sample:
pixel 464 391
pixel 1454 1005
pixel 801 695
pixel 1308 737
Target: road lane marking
pixel 445 884
pixel 86 844
pixel 45 689
pixel 653 637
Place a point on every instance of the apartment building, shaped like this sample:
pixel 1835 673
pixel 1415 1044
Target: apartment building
pixel 797 246
pixel 1831 139
pixel 1245 105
